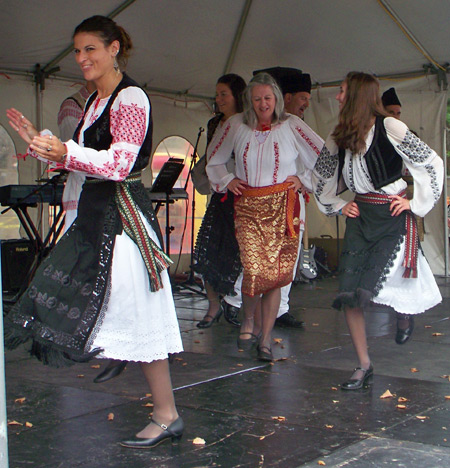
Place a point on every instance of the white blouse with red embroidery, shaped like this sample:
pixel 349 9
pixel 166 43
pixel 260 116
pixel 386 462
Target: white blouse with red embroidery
pixel 289 148
pixel 129 122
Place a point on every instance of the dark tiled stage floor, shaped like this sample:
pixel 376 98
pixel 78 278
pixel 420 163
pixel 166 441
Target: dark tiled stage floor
pixel 288 414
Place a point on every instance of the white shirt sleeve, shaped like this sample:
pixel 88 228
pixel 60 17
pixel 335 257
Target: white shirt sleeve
pixel 308 145
pixel 325 179
pixel 219 153
pixel 424 164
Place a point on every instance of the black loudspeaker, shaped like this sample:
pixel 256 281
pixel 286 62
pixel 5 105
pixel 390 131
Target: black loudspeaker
pixel 17 258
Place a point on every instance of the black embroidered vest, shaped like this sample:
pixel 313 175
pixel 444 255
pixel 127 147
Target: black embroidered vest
pixel 383 162
pixel 98 135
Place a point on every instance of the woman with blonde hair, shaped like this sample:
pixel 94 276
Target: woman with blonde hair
pixel 381 260
pixel 275 153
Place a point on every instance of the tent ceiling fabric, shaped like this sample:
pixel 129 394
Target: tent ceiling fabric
pixel 183 45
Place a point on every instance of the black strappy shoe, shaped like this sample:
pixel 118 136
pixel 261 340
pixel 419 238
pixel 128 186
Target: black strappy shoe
pixel 209 323
pixel 356 384
pixel 174 432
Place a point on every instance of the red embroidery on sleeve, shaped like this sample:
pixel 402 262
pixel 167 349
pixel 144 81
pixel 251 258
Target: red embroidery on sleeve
pixel 225 133
pixel 128 124
pixel 308 140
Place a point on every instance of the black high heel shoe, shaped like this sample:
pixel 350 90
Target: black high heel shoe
pixel 264 353
pixel 248 343
pixel 174 432
pixel 403 334
pixel 112 370
pixel 209 323
pixel 356 384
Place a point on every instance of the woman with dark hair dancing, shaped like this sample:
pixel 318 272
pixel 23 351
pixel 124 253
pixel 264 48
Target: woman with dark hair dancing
pixel 216 254
pixel 104 289
pixel 381 259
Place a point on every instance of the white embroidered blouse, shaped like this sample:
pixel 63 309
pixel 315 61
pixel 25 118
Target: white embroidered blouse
pixel 424 165
pixel 263 158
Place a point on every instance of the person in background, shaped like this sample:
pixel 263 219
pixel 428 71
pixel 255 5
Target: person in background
pixel 216 255
pixel 296 88
pixel 381 260
pixel 391 103
pixel 268 145
pixel 69 116
pixel 104 290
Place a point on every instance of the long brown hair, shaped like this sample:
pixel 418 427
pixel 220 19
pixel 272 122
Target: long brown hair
pixel 362 103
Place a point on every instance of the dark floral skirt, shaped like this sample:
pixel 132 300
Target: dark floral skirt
pixel 216 254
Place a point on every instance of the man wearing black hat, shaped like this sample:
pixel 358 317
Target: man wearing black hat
pixel 392 103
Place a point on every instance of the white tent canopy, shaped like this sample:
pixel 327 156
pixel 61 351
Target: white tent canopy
pixel 183 46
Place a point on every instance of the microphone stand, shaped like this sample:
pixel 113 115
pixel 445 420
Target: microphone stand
pixel 191 278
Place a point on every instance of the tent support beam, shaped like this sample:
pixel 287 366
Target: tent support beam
pixel 407 32
pixel 237 36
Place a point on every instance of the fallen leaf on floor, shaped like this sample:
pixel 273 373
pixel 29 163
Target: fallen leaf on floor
pixel 240 350
pixel 110 416
pixel 184 364
pixel 148 404
pixel 80 376
pixel 447 397
pixel 437 334
pixel 28 424
pixel 402 399
pixel 387 394
pixel 148 395
pixel 95 366
pixel 445 377
pixel 277 340
pixel 240 365
pixel 329 426
pixel 281 359
pixel 335 401
pixel 413 369
pixel 179 359
pixel 199 441
pixel 196 341
pixel 401 406
pixel 334 389
pixel 20 400
pixel 422 417
pixel 321 463
pixel 279 418
pixel 315 324
pixel 427 326
pixel 14 423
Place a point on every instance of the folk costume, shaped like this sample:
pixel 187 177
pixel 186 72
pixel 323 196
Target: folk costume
pixel 267 214
pixel 104 289
pixel 216 254
pixel 381 259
